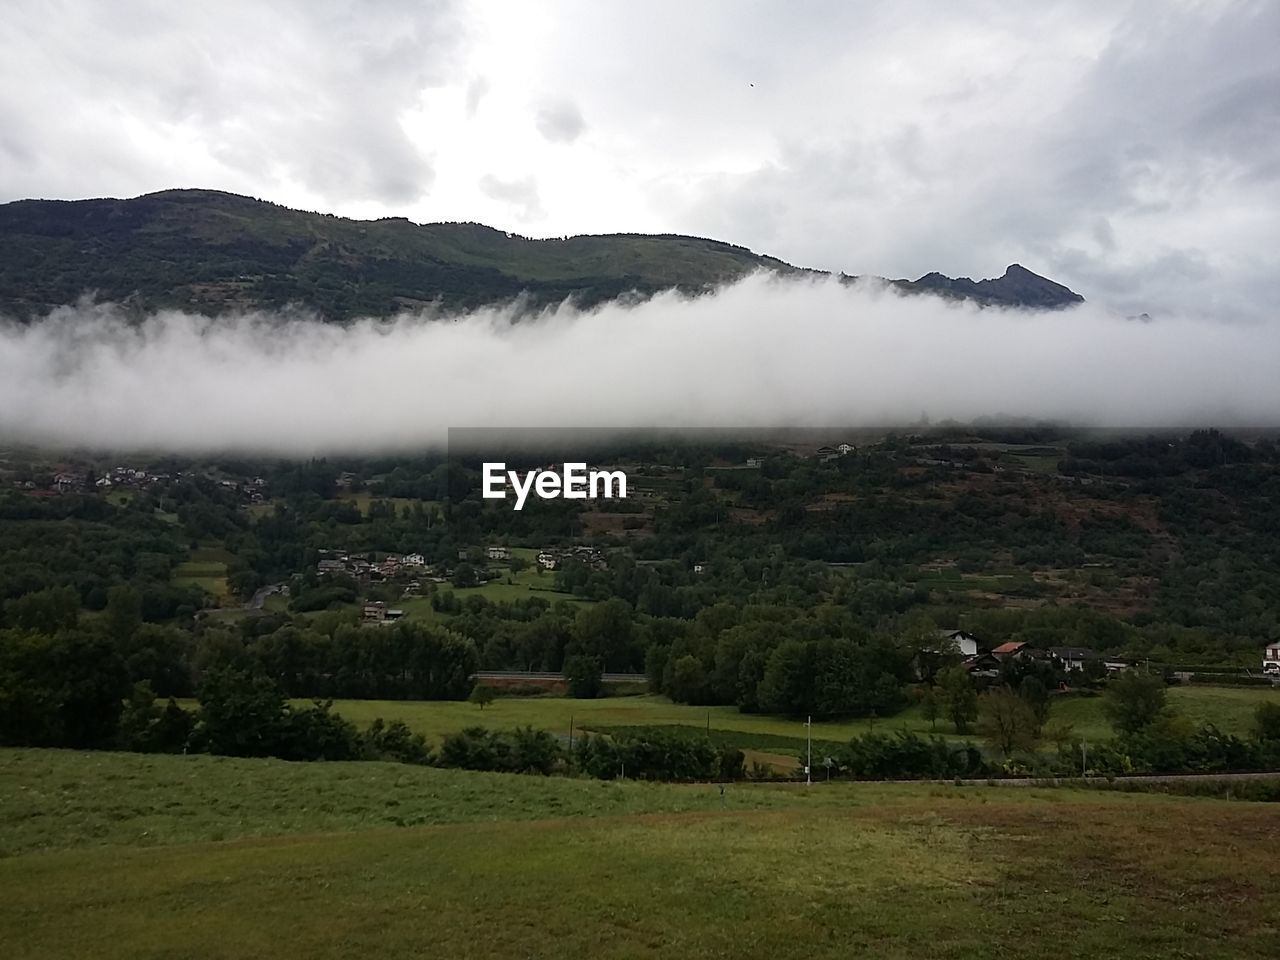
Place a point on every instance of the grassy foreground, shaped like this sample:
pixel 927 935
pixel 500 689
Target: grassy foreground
pixel 660 871
pixel 51 799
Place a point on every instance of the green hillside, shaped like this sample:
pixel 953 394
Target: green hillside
pixel 213 251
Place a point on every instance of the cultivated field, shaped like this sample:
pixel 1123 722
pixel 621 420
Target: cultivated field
pixel 205 568
pixel 110 855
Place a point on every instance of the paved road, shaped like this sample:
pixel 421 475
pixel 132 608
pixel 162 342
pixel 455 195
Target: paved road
pixel 260 595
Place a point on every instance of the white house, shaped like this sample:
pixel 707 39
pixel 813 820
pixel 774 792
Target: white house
pixel 961 641
pixel 844 449
pixel 498 553
pixel 1271 658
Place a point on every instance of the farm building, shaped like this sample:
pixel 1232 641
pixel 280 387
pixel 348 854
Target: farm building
pixel 378 613
pixel 1009 650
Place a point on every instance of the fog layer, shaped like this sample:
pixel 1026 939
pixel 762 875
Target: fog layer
pixel 762 352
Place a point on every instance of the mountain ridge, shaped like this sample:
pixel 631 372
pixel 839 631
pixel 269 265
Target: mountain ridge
pixel 210 251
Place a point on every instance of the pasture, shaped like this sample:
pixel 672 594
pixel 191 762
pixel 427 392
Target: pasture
pixel 206 568
pixel 111 855
pixel 1229 708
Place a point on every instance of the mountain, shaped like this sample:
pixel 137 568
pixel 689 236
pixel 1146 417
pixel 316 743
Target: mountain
pixel 1019 287
pixel 210 251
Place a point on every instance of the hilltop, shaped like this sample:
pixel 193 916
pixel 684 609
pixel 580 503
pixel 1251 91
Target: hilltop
pixel 210 251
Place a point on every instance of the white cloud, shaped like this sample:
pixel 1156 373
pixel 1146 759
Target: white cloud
pixel 763 352
pixel 521 194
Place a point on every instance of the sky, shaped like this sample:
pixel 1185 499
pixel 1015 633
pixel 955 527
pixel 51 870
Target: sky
pixel 1128 149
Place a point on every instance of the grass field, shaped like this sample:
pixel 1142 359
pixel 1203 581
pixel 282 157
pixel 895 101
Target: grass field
pixel 111 855
pixel 1230 708
pixel 529 582
pixel 205 568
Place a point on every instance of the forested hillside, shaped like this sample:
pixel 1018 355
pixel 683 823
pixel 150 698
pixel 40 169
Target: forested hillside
pixel 212 252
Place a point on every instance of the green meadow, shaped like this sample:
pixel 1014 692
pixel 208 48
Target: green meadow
pixel 1229 708
pixel 206 567
pixel 124 856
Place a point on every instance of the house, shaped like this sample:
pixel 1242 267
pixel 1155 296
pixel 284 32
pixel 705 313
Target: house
pixel 326 567
pixel 377 612
pixel 1072 658
pixel 982 665
pixel 548 561
pixel 698 568
pixel 825 453
pixel 1009 650
pixel 755 461
pixel 1271 658
pixel 844 449
pixel 958 641
pixel 498 553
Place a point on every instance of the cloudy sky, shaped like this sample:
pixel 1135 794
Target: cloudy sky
pixel 1130 150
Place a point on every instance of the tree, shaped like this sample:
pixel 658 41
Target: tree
pixel 959 700
pixel 146 727
pixel 242 714
pixel 929 707
pixel 688 683
pixel 583 675
pixel 481 695
pixel 1007 721
pixel 464 575
pixel 1135 700
pixel 61 691
pixel 1036 695
pixel 45 611
pixel 787 684
pixel 605 631
pixel 124 613
pixel 1266 722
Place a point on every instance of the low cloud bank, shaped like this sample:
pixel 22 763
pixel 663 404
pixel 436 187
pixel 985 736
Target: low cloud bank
pixel 763 352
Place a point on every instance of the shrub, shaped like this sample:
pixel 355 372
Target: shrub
pixel 908 756
pixel 523 750
pixel 395 741
pixel 146 727
pixel 657 755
